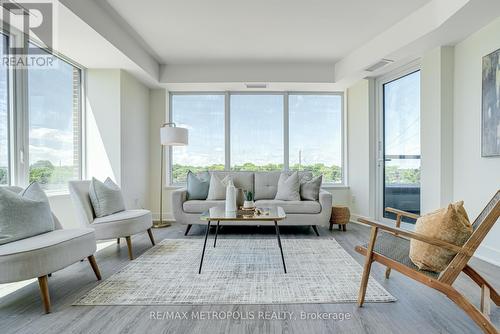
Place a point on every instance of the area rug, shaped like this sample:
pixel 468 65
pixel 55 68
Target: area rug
pixel 237 271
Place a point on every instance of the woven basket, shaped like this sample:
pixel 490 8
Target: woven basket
pixel 340 215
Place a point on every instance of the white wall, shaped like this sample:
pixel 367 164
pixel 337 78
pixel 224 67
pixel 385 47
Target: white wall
pixel 134 141
pixel 361 162
pixel 103 116
pixel 475 179
pixel 436 129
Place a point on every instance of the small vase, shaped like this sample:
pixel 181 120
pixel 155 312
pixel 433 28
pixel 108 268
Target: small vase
pixel 248 204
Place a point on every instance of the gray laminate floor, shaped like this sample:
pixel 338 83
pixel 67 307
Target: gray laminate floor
pixel 418 309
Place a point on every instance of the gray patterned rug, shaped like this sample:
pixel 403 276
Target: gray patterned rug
pixel 238 271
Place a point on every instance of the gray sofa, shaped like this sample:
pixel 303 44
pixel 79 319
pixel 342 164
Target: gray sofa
pixel 264 186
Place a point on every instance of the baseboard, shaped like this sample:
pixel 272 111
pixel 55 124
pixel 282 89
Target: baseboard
pixel 166 216
pixel 488 254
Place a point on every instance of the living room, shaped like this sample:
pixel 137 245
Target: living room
pixel 265 166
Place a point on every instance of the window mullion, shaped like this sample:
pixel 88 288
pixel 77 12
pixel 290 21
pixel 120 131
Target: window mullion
pixel 286 132
pixel 227 131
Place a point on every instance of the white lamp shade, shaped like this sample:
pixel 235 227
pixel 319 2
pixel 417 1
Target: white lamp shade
pixel 173 136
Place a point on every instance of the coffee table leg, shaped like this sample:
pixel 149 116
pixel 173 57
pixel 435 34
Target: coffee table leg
pixel 204 246
pixel 279 243
pixel 216 232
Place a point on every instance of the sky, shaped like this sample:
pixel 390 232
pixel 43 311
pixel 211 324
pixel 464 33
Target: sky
pixel 50 100
pixel 256 123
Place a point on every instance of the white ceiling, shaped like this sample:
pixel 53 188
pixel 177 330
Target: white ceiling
pixel 237 31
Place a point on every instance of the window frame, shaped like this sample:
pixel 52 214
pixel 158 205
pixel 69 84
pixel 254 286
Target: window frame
pixel 285 125
pixel 18 126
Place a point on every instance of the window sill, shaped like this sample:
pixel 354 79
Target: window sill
pixel 334 186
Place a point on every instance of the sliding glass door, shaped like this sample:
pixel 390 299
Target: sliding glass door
pixel 399 152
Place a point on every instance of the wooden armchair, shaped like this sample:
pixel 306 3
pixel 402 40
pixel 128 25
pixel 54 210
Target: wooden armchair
pixel 392 250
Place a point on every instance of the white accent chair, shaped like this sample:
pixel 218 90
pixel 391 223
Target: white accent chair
pixel 41 255
pixel 122 224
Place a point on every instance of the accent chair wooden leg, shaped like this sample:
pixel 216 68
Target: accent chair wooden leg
pixel 44 291
pixel 187 229
pixel 118 241
pixel 368 266
pixel 387 272
pixel 151 237
pixel 331 226
pixel 129 246
pixel 479 318
pixel 94 266
pixel 340 227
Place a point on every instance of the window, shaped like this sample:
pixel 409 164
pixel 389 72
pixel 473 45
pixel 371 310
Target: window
pixel 4 116
pixel 259 132
pixel 316 135
pixel 401 137
pixel 256 132
pixel 54 124
pixel 203 115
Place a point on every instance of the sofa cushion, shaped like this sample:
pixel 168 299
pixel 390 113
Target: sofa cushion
pixel 297 207
pixel 197 206
pixel 25 214
pixel 309 189
pixel 288 187
pixel 241 180
pixel 217 188
pixel 197 185
pixel 266 183
pixel 106 198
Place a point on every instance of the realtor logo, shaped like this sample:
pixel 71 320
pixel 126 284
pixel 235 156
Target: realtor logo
pixel 30 27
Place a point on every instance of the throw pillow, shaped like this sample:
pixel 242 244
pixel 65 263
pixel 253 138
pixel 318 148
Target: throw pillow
pixel 106 198
pixel 197 185
pixel 449 224
pixel 309 189
pixel 217 188
pixel 288 187
pixel 25 214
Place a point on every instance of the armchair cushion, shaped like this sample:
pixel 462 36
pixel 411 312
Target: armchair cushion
pixel 45 253
pixel 25 214
pixel 106 197
pixel 122 224
pixel 449 224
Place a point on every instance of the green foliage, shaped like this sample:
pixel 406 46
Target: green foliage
pixel 331 174
pixel 44 172
pixel 41 171
pixel 396 175
pixel 3 175
pixel 248 196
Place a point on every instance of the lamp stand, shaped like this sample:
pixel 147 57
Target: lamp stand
pixel 161 223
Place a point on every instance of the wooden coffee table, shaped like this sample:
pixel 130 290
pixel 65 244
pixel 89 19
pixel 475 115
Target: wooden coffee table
pixel 218 214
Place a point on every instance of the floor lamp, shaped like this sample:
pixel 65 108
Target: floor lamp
pixel 170 135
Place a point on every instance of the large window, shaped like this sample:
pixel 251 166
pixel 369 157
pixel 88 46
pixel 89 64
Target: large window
pixel 259 132
pixel 54 125
pixel 203 115
pixel 4 116
pixel 256 132
pixel 46 127
pixel 316 135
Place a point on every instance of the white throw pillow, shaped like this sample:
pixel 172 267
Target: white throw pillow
pixel 288 187
pixel 309 189
pixel 25 214
pixel 217 188
pixel 106 198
